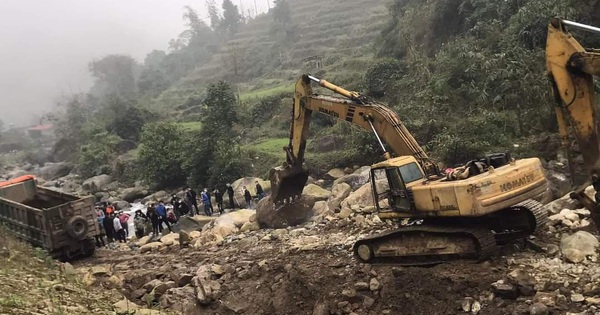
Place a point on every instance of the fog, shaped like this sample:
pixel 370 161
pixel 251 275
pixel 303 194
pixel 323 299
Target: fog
pixel 47 45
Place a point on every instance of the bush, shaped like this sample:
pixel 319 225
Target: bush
pixel 97 155
pixel 162 147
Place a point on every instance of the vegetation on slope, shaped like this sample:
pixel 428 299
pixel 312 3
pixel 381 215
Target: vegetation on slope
pixel 466 76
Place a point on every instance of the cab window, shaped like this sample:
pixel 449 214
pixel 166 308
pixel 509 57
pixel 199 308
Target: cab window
pixel 410 172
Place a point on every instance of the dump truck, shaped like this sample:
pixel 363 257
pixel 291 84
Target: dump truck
pixel 62 224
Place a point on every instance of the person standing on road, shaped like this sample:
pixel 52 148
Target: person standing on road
pixel 247 197
pixel 219 200
pixel 108 228
pixel 139 221
pixel 206 202
pixel 151 213
pixel 100 237
pixel 161 211
pixel 259 191
pixel 230 194
pixel 191 201
pixel 119 231
pixel 124 218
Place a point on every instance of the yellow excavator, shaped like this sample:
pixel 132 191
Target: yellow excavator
pixel 571 69
pixel 464 214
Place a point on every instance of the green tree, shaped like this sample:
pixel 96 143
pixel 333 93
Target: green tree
pixel 115 74
pixel 231 17
pixel 162 146
pixel 214 152
pixel 97 155
pixel 213 14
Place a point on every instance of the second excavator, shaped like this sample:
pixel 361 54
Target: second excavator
pixel 465 214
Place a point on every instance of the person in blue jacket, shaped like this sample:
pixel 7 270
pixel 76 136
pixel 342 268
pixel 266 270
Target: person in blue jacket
pixel 206 202
pixel 161 211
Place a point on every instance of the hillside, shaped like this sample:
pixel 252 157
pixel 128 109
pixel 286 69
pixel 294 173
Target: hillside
pixel 339 33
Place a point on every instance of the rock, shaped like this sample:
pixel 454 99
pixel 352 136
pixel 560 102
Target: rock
pixel 249 182
pixel 184 238
pixel 138 294
pixel 348 170
pixel 339 192
pixel 151 247
pixel 298 212
pixel 320 208
pixel 374 284
pixel 466 303
pixel 195 234
pixel 169 239
pixel 52 171
pixel 217 269
pixel 521 278
pixel 191 224
pixel 181 279
pixel 121 204
pixel 575 247
pixel 250 226
pixel 546 298
pixel 345 213
pixel 355 181
pixel 143 241
pixel 149 286
pixel 577 298
pixel 558 183
pixel 592 300
pixel 101 271
pixel 125 306
pixel 361 286
pixel 476 307
pixel 363 196
pixel 335 173
pixel 368 302
pixel 552 249
pixel 505 290
pixel 538 309
pixel 68 269
pixel 573 255
pixel 116 281
pixel 349 293
pixel 96 183
pixel 132 194
pixel 316 192
pixel 279 233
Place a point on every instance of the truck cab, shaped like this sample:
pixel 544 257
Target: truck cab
pixel 391 181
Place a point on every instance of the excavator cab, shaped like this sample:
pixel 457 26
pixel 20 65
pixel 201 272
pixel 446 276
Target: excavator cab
pixel 389 184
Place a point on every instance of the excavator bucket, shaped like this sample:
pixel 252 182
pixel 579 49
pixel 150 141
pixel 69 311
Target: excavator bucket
pixel 287 183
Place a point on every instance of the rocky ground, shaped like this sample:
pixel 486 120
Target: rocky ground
pixel 229 265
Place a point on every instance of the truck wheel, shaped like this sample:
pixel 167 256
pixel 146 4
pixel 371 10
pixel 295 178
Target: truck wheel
pixel 77 227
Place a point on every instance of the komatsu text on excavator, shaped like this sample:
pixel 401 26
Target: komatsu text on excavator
pixel 465 214
pixel 571 69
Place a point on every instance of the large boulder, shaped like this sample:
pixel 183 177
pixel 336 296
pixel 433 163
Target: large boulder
pixel 335 174
pixel 316 192
pixel 355 181
pixel 363 197
pixel 339 192
pixel 327 143
pixel 558 183
pixel 250 183
pixel 52 171
pixel 579 245
pixel 270 216
pixel 96 183
pixel 134 193
pixel 190 224
pixel 229 223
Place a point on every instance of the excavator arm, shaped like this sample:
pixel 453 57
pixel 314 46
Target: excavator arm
pixel 571 69
pixel 288 181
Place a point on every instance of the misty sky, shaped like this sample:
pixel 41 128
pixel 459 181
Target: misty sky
pixel 47 44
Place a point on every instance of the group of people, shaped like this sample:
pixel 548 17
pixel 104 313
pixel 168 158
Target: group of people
pixel 114 224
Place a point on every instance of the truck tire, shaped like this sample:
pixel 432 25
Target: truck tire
pixel 77 228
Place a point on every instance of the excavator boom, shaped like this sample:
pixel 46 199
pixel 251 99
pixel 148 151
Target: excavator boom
pixel 571 68
pixel 289 180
